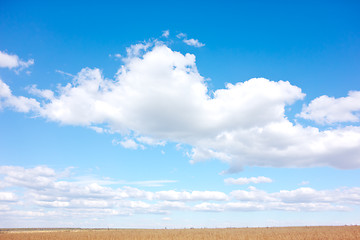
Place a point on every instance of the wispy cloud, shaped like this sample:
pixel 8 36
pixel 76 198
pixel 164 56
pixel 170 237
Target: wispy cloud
pixel 193 42
pixel 166 33
pixel 181 35
pixel 19 104
pixel 129 144
pixel 65 73
pixel 12 61
pixel 304 183
pixel 242 181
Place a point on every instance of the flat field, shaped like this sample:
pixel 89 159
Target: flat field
pixel 275 233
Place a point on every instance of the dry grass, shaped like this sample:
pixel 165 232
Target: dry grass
pixel 316 233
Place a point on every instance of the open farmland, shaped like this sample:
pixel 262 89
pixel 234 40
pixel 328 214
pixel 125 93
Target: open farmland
pixel 278 233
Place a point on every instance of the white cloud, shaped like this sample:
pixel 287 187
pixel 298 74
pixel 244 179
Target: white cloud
pixel 304 183
pixel 252 195
pixel 193 42
pixel 5 91
pixel 172 205
pixel 130 192
pixel 209 207
pixel 38 177
pixel 9 61
pixel 242 181
pixel 137 50
pixel 181 35
pixel 329 110
pixel 191 196
pixel 13 62
pixel 199 154
pixel 47 94
pixel 159 96
pixel 65 196
pixel 150 141
pixel 134 143
pixel 129 143
pixel 90 203
pixel 100 130
pixel 19 104
pixel 4 207
pixel 55 204
pixel 300 197
pixel 272 206
pixel 166 33
pixel 7 196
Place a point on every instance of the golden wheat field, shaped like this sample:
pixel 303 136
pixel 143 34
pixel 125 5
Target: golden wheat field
pixel 276 233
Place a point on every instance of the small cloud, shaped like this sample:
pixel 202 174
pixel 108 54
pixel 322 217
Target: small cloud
pixel 166 219
pixel 193 42
pixel 243 181
pixel 128 143
pixel 13 62
pixel 116 56
pixel 150 141
pixel 178 146
pixel 304 183
pixel 97 129
pixel 181 35
pixel 8 61
pixel 330 110
pixel 166 33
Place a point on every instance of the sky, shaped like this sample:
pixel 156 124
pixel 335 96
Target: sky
pixel 120 114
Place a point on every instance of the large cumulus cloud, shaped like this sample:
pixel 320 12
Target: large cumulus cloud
pixel 159 95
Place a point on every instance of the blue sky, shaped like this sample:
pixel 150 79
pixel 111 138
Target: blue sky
pixel 187 114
